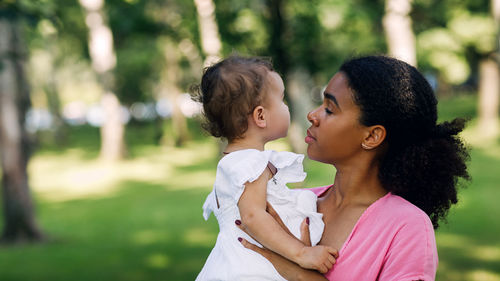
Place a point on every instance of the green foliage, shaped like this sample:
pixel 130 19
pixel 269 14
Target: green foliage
pixel 452 36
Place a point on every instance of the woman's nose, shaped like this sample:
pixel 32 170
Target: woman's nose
pixel 312 118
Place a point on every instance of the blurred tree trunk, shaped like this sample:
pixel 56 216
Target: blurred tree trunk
pixel 49 84
pixel 54 103
pixel 299 84
pixel 171 91
pixel 103 62
pixel 296 81
pixel 210 39
pixel 489 85
pixel 18 212
pixel 398 30
pixel 489 89
pixel 209 32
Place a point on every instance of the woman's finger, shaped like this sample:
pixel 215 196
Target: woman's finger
pixel 249 245
pixel 262 251
pixel 305 237
pixel 241 226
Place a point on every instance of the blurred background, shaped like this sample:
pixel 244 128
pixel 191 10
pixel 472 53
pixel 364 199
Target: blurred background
pixel 104 166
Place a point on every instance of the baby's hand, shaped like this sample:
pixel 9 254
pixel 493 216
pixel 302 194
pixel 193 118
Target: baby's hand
pixel 320 258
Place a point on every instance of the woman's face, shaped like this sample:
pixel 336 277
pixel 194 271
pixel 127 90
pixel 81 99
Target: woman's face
pixel 335 134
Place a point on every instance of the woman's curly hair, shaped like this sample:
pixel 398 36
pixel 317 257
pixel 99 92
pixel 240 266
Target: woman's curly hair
pixel 423 160
pixel 229 92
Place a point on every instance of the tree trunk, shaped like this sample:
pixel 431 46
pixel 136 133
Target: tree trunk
pixel 103 62
pixel 295 80
pixel 299 83
pixel 489 89
pixel 54 105
pixel 172 92
pixel 210 39
pixel 398 30
pixel 14 143
pixel 209 32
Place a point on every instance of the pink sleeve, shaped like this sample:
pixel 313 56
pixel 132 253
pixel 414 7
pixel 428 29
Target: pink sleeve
pixel 412 254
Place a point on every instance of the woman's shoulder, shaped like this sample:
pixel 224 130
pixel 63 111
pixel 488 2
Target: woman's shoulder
pixel 398 212
pixel 400 207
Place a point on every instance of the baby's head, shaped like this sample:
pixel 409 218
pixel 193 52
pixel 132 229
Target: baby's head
pixel 231 90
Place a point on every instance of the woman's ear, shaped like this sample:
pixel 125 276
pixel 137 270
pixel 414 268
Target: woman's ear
pixel 375 136
pixel 259 116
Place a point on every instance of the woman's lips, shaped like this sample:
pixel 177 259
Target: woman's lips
pixel 309 138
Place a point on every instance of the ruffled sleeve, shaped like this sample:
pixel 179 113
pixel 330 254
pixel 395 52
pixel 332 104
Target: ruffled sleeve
pixel 233 172
pixel 245 165
pixel 241 167
pixel 289 165
pixel 210 205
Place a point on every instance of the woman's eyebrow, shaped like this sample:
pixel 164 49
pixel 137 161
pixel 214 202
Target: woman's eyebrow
pixel 332 98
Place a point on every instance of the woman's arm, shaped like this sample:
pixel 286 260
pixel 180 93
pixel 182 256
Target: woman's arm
pixel 286 268
pixel 264 228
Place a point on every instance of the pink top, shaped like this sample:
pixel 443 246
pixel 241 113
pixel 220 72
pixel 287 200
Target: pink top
pixel 392 240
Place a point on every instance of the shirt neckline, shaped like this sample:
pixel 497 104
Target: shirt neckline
pixel 361 218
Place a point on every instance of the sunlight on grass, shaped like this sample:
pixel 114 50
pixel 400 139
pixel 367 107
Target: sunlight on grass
pixel 203 179
pixel 78 177
pixel 451 240
pixel 147 237
pixel 200 237
pixel 158 260
pixel 191 153
pixel 486 253
pixel 468 247
pixel 483 275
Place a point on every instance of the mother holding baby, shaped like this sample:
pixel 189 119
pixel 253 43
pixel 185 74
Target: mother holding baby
pixel 397 173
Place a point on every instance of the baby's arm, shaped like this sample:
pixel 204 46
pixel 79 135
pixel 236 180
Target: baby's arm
pixel 262 226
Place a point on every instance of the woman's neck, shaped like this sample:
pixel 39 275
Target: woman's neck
pixel 359 185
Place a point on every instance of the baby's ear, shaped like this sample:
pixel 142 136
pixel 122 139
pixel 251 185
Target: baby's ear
pixel 259 116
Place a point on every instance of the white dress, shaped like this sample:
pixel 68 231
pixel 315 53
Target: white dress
pixel 229 260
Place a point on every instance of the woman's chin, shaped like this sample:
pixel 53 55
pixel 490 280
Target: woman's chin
pixel 311 153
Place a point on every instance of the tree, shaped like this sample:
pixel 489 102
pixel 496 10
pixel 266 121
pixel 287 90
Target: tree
pixel 209 32
pixel 103 62
pixel 210 38
pixel 170 89
pixel 489 84
pixel 398 30
pixel 19 216
pixel 297 79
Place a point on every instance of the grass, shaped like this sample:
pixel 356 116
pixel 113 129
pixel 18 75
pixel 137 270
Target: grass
pixel 141 219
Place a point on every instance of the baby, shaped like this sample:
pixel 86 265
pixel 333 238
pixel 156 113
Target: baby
pixel 243 103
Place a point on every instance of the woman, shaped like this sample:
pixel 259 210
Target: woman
pixel 397 173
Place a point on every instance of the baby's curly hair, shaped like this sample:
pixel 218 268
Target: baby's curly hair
pixel 229 91
pixel 424 160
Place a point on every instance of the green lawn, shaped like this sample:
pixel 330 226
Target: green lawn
pixel 141 219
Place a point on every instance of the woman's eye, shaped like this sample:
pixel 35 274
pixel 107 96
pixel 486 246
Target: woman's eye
pixel 328 111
